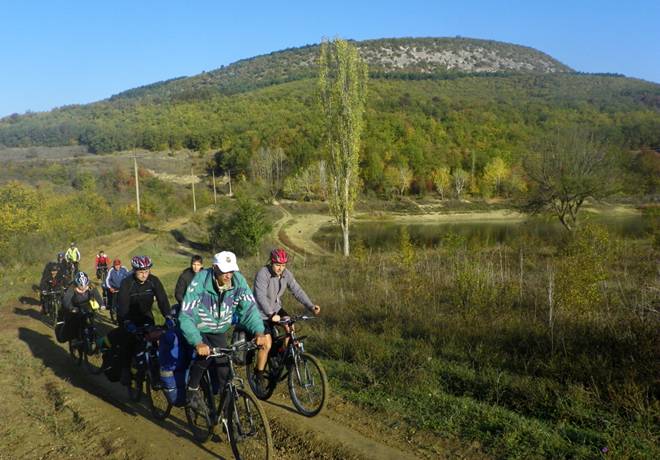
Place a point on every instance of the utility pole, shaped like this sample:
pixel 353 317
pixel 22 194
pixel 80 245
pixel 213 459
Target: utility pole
pixel 192 179
pixel 215 194
pixel 137 188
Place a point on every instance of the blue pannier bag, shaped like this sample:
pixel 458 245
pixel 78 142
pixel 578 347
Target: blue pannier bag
pixel 175 355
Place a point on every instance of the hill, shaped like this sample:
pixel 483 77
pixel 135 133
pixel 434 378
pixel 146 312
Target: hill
pixel 433 102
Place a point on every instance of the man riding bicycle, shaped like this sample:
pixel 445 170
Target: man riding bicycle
pixel 216 298
pixel 134 302
pixel 72 256
pixel 270 283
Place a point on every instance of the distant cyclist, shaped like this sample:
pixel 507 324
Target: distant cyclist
pixel 101 264
pixel 135 299
pixel 72 256
pixel 53 281
pixel 196 265
pixel 270 283
pixel 216 298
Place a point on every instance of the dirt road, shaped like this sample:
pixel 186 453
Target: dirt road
pixel 53 409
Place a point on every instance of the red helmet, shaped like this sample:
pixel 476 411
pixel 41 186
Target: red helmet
pixel 279 256
pixel 141 262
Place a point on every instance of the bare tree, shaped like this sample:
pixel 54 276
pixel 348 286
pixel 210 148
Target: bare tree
pixel 461 178
pixel 565 170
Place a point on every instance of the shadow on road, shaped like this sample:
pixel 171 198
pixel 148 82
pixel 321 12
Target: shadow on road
pixel 25 300
pixel 55 357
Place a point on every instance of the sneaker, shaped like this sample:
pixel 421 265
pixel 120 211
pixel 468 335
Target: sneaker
pixel 260 379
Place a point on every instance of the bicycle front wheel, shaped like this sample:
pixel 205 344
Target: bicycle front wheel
pixel 248 429
pixel 93 358
pixel 158 404
pixel 135 385
pixel 76 351
pixel 308 384
pixel 198 414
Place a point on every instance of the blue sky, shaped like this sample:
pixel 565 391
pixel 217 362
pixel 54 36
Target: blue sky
pixel 58 52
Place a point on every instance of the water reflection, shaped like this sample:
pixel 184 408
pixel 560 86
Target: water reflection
pixel 386 235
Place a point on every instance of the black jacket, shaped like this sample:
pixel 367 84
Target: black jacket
pixel 182 284
pixel 135 300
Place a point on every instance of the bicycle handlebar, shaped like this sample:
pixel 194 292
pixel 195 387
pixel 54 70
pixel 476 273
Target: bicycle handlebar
pixel 288 320
pixel 238 346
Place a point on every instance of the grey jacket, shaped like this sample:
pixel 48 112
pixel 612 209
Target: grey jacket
pixel 268 290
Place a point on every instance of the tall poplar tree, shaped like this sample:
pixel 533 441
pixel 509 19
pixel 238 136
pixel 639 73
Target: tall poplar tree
pixel 342 90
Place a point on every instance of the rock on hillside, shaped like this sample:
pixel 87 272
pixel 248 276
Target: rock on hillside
pixel 398 55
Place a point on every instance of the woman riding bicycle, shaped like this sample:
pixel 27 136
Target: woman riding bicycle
pixel 78 299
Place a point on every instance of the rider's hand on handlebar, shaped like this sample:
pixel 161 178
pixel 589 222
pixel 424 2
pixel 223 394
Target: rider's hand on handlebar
pixel 275 318
pixel 316 310
pixel 202 349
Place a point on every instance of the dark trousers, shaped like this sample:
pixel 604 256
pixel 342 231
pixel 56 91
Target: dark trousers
pixel 200 364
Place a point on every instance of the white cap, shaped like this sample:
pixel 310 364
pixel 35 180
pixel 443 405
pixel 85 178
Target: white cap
pixel 225 261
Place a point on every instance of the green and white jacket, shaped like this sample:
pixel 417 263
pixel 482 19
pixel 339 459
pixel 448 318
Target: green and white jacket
pixel 207 310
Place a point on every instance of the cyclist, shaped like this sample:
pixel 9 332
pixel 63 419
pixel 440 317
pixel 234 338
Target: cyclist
pixel 78 298
pixel 101 263
pixel 269 284
pixel 51 282
pixel 72 256
pixel 134 302
pixel 216 298
pixel 186 277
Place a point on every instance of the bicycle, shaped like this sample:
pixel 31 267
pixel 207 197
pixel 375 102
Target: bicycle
pixel 84 348
pixel 52 303
pixel 242 417
pixel 307 381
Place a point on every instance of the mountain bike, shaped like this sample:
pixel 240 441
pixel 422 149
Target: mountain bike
pixel 240 413
pixel 84 348
pixel 287 359
pixel 52 303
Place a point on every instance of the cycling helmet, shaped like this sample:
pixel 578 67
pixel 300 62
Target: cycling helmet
pixel 53 267
pixel 73 244
pixel 60 255
pixel 279 256
pixel 81 279
pixel 141 262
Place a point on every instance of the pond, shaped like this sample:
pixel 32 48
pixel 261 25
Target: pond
pixel 387 234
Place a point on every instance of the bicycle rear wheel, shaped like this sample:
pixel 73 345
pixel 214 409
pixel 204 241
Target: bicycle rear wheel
pixel 308 384
pixel 248 429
